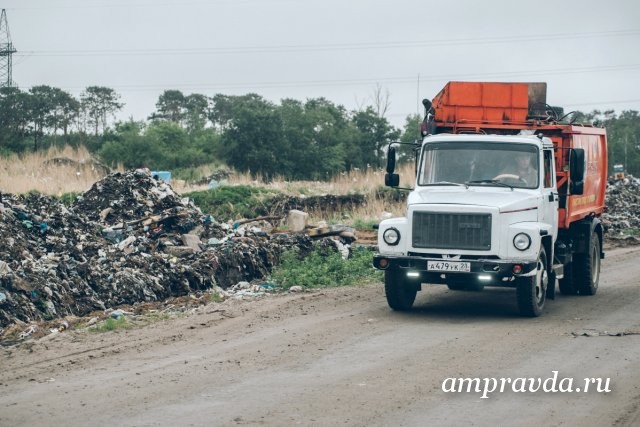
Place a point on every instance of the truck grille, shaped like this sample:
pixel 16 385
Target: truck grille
pixel 446 230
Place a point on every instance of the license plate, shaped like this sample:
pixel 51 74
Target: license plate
pixel 448 266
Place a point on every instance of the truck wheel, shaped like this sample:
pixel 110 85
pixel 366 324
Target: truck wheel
pixel 531 291
pixel 400 292
pixel 587 268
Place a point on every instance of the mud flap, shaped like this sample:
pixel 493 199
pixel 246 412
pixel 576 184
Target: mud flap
pixel 551 287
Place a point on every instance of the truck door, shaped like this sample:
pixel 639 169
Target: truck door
pixel 549 192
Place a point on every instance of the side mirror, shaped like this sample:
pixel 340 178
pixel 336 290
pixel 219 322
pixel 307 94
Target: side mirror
pixel 576 171
pixel 427 105
pixel 391 179
pixel 391 160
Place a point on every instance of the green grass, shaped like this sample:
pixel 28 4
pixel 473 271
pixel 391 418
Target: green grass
pixel 324 267
pixel 112 324
pixel 232 202
pixel 216 297
pixel 68 198
pixel 631 232
pixel 365 223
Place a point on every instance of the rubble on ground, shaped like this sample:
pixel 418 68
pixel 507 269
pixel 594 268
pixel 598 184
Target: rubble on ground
pixel 622 213
pixel 283 203
pixel 128 239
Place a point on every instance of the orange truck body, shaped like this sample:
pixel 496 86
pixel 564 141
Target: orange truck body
pixel 509 108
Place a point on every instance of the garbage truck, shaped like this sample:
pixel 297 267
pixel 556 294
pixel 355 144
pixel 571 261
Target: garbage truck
pixel 508 193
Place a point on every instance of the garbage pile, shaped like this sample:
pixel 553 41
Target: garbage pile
pixel 126 240
pixel 283 203
pixel 623 208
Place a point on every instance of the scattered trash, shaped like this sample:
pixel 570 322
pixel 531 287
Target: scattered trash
pixel 128 239
pixel 623 207
pixel 296 288
pixel 297 220
pixel 27 333
pixel 117 314
pixel 596 333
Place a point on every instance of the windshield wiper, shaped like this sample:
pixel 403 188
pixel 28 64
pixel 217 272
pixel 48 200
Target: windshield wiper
pixel 489 181
pixel 446 183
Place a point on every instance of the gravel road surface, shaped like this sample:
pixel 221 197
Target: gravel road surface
pixel 342 357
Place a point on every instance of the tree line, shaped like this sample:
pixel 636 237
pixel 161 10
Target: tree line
pixel 311 139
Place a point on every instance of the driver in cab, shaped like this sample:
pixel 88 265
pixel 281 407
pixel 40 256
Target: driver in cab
pixel 522 172
pixel 525 170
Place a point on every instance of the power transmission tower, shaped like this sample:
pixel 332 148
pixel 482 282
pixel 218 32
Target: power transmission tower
pixel 6 52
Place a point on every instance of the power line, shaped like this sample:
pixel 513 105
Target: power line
pixel 368 81
pixel 329 47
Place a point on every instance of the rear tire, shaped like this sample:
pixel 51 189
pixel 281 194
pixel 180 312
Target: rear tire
pixel 400 292
pixel 587 268
pixel 531 291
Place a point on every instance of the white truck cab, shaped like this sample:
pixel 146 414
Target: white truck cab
pixel 484 212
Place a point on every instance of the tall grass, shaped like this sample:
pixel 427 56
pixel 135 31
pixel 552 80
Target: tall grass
pixel 54 172
pixel 37 171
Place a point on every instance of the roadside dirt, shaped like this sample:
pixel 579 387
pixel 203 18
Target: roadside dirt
pixel 340 356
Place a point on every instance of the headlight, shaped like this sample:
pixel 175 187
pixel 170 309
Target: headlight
pixel 391 236
pixel 522 241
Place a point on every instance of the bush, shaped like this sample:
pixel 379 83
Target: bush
pixel 232 202
pixel 68 199
pixel 112 324
pixel 324 267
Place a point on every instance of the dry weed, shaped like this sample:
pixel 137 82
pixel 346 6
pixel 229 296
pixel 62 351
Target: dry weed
pixel 53 172
pixel 64 170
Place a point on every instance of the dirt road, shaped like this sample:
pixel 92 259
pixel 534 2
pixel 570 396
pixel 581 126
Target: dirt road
pixel 340 356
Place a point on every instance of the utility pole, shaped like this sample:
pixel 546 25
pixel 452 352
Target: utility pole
pixel 6 52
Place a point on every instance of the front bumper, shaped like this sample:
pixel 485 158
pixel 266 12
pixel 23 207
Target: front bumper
pixel 491 271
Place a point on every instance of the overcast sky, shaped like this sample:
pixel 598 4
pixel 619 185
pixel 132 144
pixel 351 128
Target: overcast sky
pixel 587 51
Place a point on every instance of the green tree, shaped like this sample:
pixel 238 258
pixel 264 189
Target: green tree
pixel 41 109
pixel 623 135
pixel 66 110
pixel 196 112
pixel 14 118
pixel 375 134
pixel 253 132
pixel 225 107
pixel 127 145
pixel 170 106
pixel 99 103
pixel 410 135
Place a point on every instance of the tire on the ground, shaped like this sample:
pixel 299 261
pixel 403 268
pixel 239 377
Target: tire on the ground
pixel 531 291
pixel 587 268
pixel 400 292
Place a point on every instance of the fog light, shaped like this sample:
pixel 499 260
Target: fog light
pixel 413 274
pixel 517 269
pixel 383 263
pixel 484 277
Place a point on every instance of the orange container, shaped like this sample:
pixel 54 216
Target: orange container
pixel 460 102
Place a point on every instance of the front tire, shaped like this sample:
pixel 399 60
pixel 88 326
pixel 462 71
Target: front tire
pixel 400 292
pixel 531 291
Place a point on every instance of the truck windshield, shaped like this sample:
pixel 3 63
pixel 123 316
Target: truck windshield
pixel 479 163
